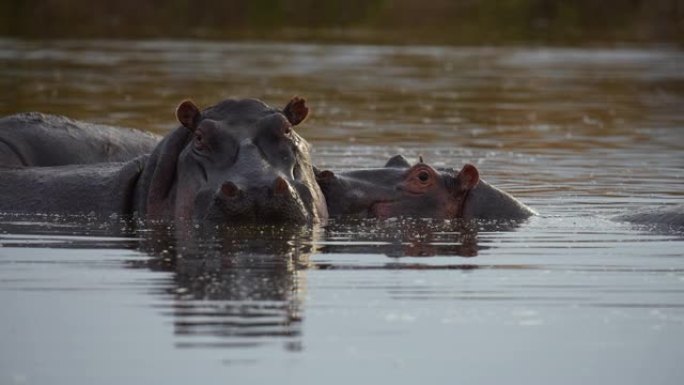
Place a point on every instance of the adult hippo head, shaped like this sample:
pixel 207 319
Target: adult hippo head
pixel 237 161
pixel 402 189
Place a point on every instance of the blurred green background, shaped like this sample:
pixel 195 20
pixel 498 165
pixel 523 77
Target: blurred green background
pixel 465 22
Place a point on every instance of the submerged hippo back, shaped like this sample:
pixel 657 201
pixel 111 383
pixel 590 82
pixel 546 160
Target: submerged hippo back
pixel 99 189
pixel 665 216
pixel 238 161
pixel 35 139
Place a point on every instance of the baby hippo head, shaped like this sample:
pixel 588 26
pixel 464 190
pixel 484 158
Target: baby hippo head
pixel 239 161
pixel 414 191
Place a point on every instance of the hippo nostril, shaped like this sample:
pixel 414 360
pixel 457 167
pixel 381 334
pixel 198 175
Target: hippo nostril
pixel 230 190
pixel 280 186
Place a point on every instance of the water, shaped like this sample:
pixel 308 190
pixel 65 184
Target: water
pixel 571 296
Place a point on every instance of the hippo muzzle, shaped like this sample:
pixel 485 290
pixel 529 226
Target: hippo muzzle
pixel 274 202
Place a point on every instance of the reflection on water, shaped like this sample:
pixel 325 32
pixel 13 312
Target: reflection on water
pixel 232 287
pixel 316 291
pixel 571 296
pixel 403 237
pixel 346 292
pixel 241 287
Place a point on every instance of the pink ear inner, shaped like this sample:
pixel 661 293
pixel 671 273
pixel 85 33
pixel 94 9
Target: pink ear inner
pixel 468 177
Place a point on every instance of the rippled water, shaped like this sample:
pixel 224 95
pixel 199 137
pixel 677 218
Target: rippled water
pixel 570 296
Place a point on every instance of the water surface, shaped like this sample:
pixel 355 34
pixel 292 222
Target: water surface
pixel 571 296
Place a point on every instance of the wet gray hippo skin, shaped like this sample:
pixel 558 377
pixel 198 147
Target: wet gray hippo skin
pixel 669 216
pixel 399 189
pixel 237 161
pixel 35 139
pixel 103 188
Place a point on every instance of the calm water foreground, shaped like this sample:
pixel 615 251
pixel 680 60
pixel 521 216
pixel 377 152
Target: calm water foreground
pixel 571 296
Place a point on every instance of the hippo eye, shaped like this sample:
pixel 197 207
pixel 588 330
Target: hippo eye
pixel 420 180
pixel 199 141
pixel 285 131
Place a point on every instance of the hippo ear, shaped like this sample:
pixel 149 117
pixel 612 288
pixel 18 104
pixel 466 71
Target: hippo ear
pixel 296 110
pixel 467 178
pixel 188 114
pixel 324 176
pixel 398 161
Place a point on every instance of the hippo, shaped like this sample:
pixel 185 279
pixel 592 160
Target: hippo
pixel 237 161
pixel 668 217
pixel 399 189
pixel 37 140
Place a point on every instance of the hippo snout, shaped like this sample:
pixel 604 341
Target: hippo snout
pixel 274 201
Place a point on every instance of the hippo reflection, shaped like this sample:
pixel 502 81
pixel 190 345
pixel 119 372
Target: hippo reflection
pixel 241 285
pixel 405 237
pixel 237 161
